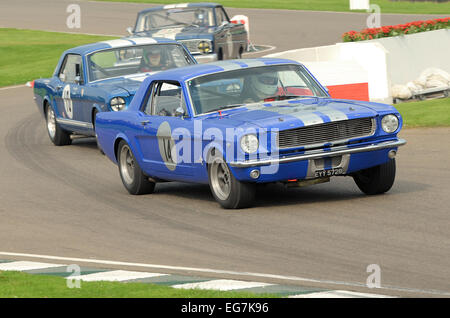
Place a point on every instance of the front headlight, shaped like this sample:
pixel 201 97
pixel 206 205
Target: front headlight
pixel 249 143
pixel 118 103
pixel 204 47
pixel 389 123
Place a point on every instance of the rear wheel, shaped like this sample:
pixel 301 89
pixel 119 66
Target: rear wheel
pixel 57 135
pixel 131 174
pixel 376 180
pixel 226 189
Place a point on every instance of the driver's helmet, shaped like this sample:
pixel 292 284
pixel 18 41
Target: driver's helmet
pixel 153 56
pixel 200 16
pixel 266 83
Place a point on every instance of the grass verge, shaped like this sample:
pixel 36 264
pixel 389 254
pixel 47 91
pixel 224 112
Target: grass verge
pixel 387 6
pixel 23 285
pixel 28 54
pixel 430 113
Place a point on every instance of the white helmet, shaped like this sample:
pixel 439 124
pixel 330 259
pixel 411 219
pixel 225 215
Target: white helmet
pixel 265 83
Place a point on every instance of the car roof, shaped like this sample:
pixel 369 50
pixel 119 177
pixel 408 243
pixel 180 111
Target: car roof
pixel 123 42
pixel 188 72
pixel 182 5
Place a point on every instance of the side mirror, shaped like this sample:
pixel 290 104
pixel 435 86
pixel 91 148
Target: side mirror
pixel 130 30
pixel 78 80
pixel 179 112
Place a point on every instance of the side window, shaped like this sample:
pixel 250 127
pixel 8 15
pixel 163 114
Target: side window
pixel 221 16
pixel 166 100
pixel 72 67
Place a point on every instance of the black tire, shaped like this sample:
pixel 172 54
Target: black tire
pixel 131 174
pixel 376 180
pixel 237 195
pixel 57 135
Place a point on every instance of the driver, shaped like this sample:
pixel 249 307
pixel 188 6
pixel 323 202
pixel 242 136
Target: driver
pixel 153 61
pixel 260 87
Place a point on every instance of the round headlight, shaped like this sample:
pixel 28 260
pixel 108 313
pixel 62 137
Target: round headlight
pixel 389 123
pixel 249 143
pixel 117 103
pixel 204 47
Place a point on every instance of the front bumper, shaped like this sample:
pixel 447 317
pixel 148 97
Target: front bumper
pixel 315 154
pixel 205 58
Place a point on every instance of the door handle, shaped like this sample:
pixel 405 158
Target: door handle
pixel 58 88
pixel 145 122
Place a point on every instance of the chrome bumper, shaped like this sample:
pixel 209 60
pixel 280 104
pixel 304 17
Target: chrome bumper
pixel 335 151
pixel 205 58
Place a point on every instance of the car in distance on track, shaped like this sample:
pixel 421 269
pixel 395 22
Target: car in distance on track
pixel 204 28
pixel 100 77
pixel 233 124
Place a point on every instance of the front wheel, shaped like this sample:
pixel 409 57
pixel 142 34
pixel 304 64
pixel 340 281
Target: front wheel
pixel 57 135
pixel 229 192
pixel 132 176
pixel 376 180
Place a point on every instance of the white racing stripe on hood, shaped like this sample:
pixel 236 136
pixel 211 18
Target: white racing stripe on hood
pixel 303 112
pixel 142 41
pixel 139 78
pixel 167 33
pixel 117 43
pixel 173 6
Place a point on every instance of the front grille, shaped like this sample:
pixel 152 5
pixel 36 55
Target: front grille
pixel 325 133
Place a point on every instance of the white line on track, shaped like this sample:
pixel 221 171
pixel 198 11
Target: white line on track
pixel 226 272
pixel 11 87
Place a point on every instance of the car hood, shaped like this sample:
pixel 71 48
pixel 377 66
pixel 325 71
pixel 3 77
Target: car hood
pixel 127 85
pixel 297 113
pixel 181 33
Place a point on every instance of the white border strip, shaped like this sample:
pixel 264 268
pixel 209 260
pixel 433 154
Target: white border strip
pixel 226 272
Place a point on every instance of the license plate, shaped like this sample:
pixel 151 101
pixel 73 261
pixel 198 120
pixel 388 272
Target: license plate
pixel 329 173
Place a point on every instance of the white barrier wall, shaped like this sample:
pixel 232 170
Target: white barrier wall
pixel 408 56
pixel 387 61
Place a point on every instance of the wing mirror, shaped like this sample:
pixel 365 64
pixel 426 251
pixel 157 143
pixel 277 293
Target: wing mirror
pixel 179 112
pixel 130 30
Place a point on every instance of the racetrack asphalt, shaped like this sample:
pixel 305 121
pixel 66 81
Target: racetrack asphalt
pixel 284 29
pixel 69 201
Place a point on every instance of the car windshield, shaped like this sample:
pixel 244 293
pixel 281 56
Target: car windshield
pixel 235 88
pixel 136 59
pixel 176 17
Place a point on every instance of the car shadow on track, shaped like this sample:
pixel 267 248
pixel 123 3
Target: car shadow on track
pixel 277 194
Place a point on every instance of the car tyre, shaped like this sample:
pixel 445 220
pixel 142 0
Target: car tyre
pixel 376 180
pixel 132 176
pixel 57 135
pixel 229 192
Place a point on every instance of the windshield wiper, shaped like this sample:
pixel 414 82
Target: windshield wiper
pixel 283 97
pixel 224 107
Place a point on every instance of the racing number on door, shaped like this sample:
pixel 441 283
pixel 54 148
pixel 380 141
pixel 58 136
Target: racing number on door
pixel 67 101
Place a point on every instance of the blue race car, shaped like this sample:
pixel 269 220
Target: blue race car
pixel 100 77
pixel 233 124
pixel 204 28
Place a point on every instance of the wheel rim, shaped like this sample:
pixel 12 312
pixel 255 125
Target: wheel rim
pixel 127 165
pixel 221 179
pixel 51 122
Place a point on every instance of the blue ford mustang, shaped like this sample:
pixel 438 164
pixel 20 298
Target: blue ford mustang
pixel 100 77
pixel 237 123
pixel 204 28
